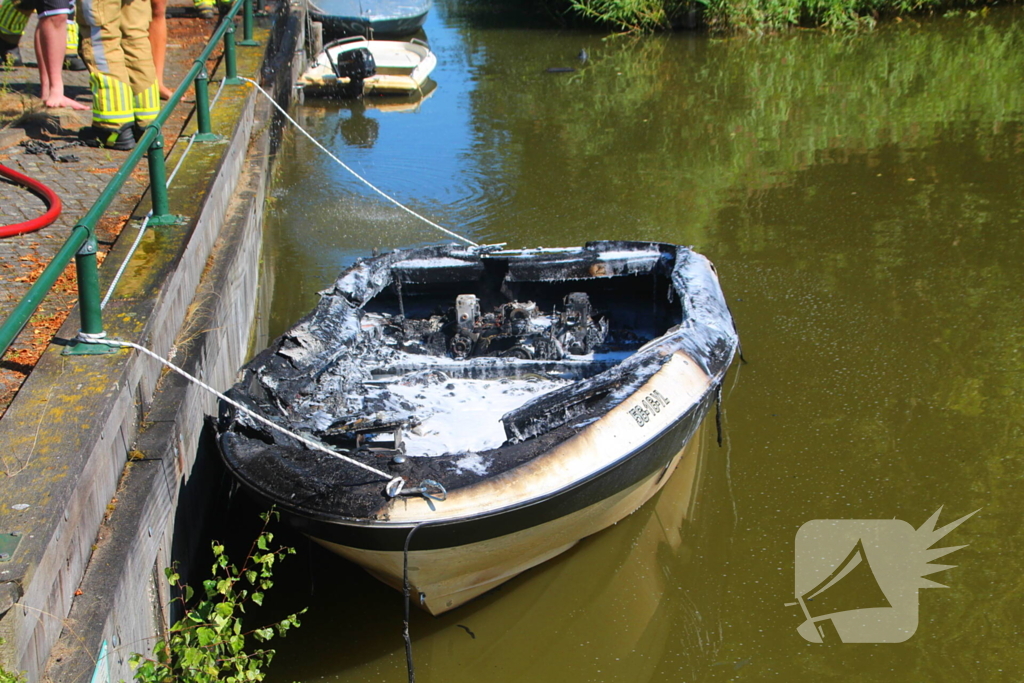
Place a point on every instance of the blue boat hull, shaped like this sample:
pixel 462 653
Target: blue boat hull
pixel 381 19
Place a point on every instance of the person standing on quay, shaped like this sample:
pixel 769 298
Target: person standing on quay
pixel 13 20
pixel 208 9
pixel 158 41
pixel 50 40
pixel 122 77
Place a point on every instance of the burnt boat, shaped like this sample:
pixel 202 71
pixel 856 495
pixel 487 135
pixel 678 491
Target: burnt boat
pixel 478 408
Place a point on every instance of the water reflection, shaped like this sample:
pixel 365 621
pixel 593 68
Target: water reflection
pixel 357 130
pixel 861 198
pixel 640 579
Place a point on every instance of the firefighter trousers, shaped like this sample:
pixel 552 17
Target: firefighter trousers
pixel 200 4
pixel 115 46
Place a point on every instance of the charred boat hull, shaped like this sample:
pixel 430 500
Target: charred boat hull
pixel 575 459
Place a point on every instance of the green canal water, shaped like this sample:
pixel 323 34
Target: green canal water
pixel 863 199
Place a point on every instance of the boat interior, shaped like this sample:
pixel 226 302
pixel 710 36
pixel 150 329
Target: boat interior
pixel 456 364
pixel 483 339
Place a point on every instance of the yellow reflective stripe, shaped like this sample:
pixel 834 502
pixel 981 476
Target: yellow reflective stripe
pixel 203 3
pixel 12 22
pixel 71 46
pixel 147 104
pixel 111 101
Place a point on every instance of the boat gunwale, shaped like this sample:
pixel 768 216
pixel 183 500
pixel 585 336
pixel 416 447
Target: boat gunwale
pixel 674 339
pixel 714 383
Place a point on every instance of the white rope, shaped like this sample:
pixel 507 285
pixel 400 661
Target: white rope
pixel 359 177
pixel 192 138
pixel 145 221
pixel 124 264
pixel 213 103
pixel 181 159
pixel 100 339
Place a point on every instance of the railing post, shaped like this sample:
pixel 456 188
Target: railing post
pixel 203 108
pixel 81 246
pixel 247 38
pixel 158 183
pixel 230 62
pixel 89 300
pixel 89 287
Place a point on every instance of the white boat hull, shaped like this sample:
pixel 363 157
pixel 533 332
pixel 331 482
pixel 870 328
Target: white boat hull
pixel 402 68
pixel 443 579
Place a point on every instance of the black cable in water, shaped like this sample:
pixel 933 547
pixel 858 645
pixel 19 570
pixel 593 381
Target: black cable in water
pixel 309 567
pixel 718 415
pixel 405 592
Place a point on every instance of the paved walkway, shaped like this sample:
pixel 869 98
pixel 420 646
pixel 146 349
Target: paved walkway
pixel 78 183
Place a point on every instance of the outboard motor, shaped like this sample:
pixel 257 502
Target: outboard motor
pixel 356 64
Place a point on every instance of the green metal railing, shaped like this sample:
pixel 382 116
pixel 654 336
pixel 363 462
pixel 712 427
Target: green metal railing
pixel 81 244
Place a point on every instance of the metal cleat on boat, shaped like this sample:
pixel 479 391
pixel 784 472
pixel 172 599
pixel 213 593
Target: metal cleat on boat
pixel 429 489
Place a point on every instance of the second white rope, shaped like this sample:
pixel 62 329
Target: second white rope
pixel 94 339
pixel 359 177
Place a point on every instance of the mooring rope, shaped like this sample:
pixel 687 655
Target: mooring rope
pixel 124 264
pixel 145 220
pixel 359 177
pixel 188 148
pixel 101 339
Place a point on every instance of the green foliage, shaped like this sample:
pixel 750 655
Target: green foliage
pixel 628 15
pixel 8 677
pixel 752 16
pixel 208 643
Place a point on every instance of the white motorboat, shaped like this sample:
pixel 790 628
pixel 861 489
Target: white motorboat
pixel 358 66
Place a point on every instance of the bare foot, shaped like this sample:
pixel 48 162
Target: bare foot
pixel 165 92
pixel 65 102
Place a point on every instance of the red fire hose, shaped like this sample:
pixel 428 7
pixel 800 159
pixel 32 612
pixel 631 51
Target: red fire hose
pixel 47 195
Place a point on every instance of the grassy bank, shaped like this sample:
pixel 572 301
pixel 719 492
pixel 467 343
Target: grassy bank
pixel 755 16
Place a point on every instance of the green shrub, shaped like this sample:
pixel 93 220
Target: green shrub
pixel 208 643
pixel 751 16
pixel 628 15
pixel 6 676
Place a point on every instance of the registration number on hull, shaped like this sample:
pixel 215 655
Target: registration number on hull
pixel 649 406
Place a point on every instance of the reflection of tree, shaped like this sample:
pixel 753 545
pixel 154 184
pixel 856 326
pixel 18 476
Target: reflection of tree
pixel 884 330
pixel 863 196
pixel 358 129
pixel 715 116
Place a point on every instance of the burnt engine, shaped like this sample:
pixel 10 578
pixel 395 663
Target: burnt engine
pixel 513 330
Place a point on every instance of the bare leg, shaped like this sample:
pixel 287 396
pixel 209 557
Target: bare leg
pixel 44 75
pixel 51 34
pixel 158 41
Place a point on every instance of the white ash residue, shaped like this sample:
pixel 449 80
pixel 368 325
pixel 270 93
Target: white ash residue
pixel 471 462
pixel 464 415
